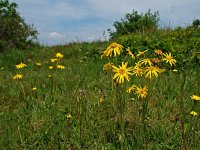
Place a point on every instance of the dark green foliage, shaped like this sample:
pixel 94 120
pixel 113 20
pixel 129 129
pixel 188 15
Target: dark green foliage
pixel 134 22
pixel 14 31
pixel 196 23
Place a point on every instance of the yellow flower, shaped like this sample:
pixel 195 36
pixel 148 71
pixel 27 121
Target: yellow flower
pixel 69 116
pixel 38 64
pixel 122 72
pixel 195 97
pixel 60 67
pixel 141 53
pixel 175 70
pixel 101 99
pixel 21 65
pixel 114 47
pixel 193 113
pixel 169 59
pixel 59 55
pixel 18 76
pixel 53 60
pixel 108 66
pixel 137 64
pixel 34 88
pixel 131 88
pixel 155 60
pixel 146 61
pixel 159 52
pixel 50 67
pixel 138 71
pixel 141 92
pixel 152 71
pixel 130 53
pixel 49 76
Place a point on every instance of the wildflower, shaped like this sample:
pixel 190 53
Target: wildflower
pixel 68 116
pixel 138 71
pixel 141 92
pixel 122 72
pixel 53 60
pixel 50 67
pixel 175 70
pixel 108 66
pixel 101 99
pixel 159 52
pixel 169 59
pixel 18 76
pixel 141 53
pixel 59 55
pixel 60 67
pixel 130 53
pixel 34 88
pixel 195 97
pixel 193 113
pixel 49 76
pixel 152 71
pixel 146 61
pixel 155 60
pixel 131 88
pixel 21 65
pixel 114 47
pixel 38 64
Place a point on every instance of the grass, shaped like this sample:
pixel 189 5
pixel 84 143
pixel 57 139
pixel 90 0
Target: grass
pixel 40 119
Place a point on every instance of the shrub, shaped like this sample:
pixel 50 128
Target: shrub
pixel 134 22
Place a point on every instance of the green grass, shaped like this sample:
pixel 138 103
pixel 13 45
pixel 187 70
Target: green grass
pixel 38 119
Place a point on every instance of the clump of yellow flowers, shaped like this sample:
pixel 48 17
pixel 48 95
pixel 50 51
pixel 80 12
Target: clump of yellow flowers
pixel 56 61
pixel 19 76
pixel 144 63
pixel 195 98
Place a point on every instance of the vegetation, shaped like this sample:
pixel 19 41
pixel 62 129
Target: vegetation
pixel 134 23
pixel 139 91
pixel 60 98
pixel 14 31
pixel 184 43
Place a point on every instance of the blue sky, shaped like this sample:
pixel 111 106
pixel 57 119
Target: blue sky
pixel 64 21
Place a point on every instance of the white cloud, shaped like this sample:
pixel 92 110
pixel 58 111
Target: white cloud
pixel 55 35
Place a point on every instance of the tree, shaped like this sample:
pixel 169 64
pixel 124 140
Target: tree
pixel 134 22
pixel 196 23
pixel 14 31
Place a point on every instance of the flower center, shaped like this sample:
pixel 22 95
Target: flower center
pixel 113 45
pixel 169 58
pixel 159 52
pixel 151 68
pixel 142 92
pixel 121 71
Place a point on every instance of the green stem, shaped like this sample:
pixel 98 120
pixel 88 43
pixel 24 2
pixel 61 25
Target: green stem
pixel 23 89
pixel 121 100
pixel 182 111
pixel 80 114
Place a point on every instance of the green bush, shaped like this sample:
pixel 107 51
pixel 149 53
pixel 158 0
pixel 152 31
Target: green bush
pixel 14 31
pixel 134 22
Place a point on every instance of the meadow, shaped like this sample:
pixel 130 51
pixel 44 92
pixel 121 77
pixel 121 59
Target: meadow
pixel 100 95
